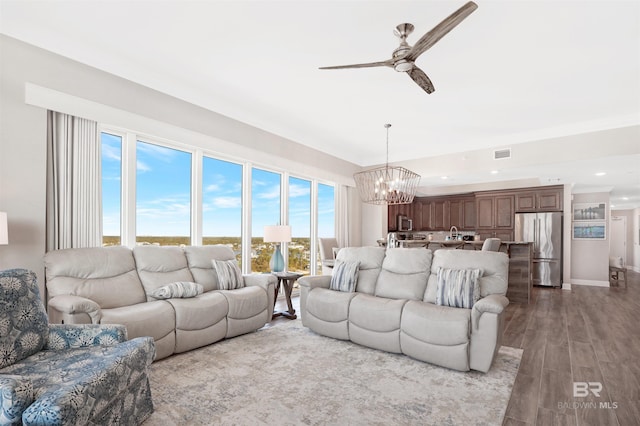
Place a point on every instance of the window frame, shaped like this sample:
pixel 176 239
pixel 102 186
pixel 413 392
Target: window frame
pixel 128 192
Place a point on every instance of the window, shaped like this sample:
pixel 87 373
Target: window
pixel 265 210
pixel 222 204
pixel 300 222
pixel 111 189
pixel 163 195
pixel 326 214
pixel 150 189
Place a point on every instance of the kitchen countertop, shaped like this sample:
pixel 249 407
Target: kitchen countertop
pixel 451 243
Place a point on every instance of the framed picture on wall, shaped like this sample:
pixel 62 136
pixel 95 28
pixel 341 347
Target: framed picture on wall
pixel 589 231
pixel 589 211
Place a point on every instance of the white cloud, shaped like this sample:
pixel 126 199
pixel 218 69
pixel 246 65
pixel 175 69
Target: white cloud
pixel 212 187
pixel 142 167
pixel 227 202
pixel 299 190
pixel 271 194
pixel 111 153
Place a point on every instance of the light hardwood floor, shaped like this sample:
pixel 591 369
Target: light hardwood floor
pixel 588 334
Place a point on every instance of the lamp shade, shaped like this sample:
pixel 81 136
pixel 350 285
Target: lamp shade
pixel 277 234
pixel 4 229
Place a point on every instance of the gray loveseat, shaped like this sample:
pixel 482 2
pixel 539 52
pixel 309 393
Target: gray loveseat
pixel 112 285
pixel 394 306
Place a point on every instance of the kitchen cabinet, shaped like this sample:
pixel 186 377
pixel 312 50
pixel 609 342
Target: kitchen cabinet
pixel 540 200
pixel 395 210
pixel 495 216
pixel 441 213
pixel 495 211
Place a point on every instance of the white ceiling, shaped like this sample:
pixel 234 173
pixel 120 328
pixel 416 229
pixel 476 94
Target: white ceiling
pixel 512 72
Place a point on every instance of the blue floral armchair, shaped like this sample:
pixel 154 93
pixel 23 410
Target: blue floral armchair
pixel 66 374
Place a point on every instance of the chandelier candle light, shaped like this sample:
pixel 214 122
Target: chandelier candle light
pixel 277 234
pixel 388 184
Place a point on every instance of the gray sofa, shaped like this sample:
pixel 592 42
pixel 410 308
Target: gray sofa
pixel 394 306
pixel 112 285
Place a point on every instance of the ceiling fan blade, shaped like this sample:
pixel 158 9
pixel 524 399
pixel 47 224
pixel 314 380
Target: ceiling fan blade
pixel 440 30
pixel 387 63
pixel 421 79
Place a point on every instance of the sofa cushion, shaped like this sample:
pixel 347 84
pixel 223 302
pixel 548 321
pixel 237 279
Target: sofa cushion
pixel 494 266
pixel 439 325
pixel 229 274
pixel 23 321
pixel 200 312
pixel 199 260
pixel 370 259
pixel 106 275
pixel 375 322
pixel 180 289
pixel 329 305
pixel 155 319
pixel 345 276
pixel 404 274
pixel 158 266
pixel 458 288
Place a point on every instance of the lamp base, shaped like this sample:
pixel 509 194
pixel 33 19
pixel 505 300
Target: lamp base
pixel 277 261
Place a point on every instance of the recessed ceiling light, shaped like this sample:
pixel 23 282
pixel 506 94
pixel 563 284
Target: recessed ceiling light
pixel 601 173
pixel 444 177
pixel 625 198
pixel 495 172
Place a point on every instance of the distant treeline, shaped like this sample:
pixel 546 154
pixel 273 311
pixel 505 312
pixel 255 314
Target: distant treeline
pixel 298 258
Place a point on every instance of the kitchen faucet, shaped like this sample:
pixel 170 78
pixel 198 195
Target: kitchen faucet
pixel 453 236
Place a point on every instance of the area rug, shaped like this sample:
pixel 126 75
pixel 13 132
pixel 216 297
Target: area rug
pixel 288 375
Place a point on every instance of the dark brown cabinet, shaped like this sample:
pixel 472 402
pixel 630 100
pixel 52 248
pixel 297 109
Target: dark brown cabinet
pixel 495 216
pixel 441 213
pixel 490 213
pixel 541 200
pixel 396 210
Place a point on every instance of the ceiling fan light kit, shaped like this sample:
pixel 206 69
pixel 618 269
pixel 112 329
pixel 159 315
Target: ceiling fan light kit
pixel 387 184
pixel 404 57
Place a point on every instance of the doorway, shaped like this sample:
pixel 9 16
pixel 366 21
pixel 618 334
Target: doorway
pixel 618 247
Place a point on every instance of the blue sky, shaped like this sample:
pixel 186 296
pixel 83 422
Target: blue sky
pixel 163 195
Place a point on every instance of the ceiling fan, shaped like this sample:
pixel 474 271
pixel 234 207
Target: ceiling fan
pixel 404 57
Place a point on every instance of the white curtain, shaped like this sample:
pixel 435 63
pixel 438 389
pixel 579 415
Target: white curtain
pixel 342 216
pixel 74 207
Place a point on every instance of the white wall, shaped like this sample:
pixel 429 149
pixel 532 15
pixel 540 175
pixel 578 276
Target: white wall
pixel 590 258
pixel 117 102
pixel 374 224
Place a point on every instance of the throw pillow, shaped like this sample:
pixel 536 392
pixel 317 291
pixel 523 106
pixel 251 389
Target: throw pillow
pixel 179 289
pixel 345 276
pixel 458 288
pixel 229 274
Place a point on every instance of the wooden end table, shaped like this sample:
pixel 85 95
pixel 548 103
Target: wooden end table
pixel 287 279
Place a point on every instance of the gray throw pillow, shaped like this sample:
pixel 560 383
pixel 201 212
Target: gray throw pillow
pixel 229 274
pixel 345 276
pixel 458 288
pixel 178 289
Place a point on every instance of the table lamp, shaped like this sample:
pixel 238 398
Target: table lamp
pixel 4 229
pixel 277 234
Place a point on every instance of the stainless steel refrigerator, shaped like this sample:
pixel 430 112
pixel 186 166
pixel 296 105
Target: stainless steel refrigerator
pixel 544 230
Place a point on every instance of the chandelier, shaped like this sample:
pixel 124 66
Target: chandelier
pixel 388 184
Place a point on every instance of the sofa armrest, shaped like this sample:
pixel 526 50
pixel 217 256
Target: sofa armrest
pixel 493 303
pixel 16 395
pixel 266 281
pixel 314 281
pixel 69 304
pixel 67 336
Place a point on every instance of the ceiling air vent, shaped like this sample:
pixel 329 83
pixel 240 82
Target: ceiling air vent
pixel 501 154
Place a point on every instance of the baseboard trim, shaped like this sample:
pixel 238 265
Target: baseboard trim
pixel 566 286
pixel 591 283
